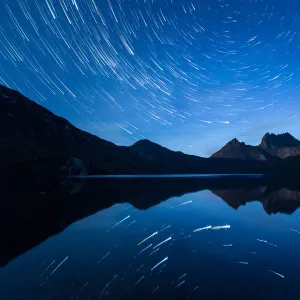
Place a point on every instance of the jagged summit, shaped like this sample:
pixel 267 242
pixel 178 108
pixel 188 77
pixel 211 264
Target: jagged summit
pixel 234 142
pixel 271 140
pixel 237 149
pixel 271 146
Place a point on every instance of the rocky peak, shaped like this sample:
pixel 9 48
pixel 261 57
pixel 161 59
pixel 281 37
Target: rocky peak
pixel 278 141
pixel 234 143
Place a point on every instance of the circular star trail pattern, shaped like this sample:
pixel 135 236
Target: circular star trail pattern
pixel 181 73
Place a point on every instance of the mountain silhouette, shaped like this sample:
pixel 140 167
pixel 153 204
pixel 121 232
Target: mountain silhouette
pixel 281 145
pixel 280 200
pixel 239 150
pixel 271 146
pixel 36 142
pixel 278 141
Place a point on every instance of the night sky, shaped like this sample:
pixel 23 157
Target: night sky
pixel 189 75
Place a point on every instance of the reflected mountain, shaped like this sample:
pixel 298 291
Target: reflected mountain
pixel 32 211
pixel 274 201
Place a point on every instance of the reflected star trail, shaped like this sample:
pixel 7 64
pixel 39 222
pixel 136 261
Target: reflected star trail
pixel 187 74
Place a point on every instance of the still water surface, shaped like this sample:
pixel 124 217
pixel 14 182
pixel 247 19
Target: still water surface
pixel 125 253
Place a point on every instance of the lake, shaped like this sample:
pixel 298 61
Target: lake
pixel 172 238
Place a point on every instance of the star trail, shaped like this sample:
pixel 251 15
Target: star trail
pixel 189 75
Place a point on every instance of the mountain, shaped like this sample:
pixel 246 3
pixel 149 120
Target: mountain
pixel 30 133
pixel 171 161
pixel 236 149
pixel 35 141
pixel 272 146
pixel 274 200
pixel 284 140
pixel 281 145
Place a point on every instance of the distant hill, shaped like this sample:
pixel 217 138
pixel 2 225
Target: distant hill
pixel 35 141
pixel 272 145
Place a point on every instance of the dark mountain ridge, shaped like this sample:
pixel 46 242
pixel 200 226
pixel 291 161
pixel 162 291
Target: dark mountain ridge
pixel 239 150
pixel 31 134
pixel 271 140
pixel 35 141
pixel 271 146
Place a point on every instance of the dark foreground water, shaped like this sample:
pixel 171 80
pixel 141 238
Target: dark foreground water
pixel 164 252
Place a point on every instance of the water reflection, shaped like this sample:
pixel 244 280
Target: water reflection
pixel 140 246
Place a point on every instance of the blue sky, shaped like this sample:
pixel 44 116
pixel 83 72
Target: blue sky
pixel 190 75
